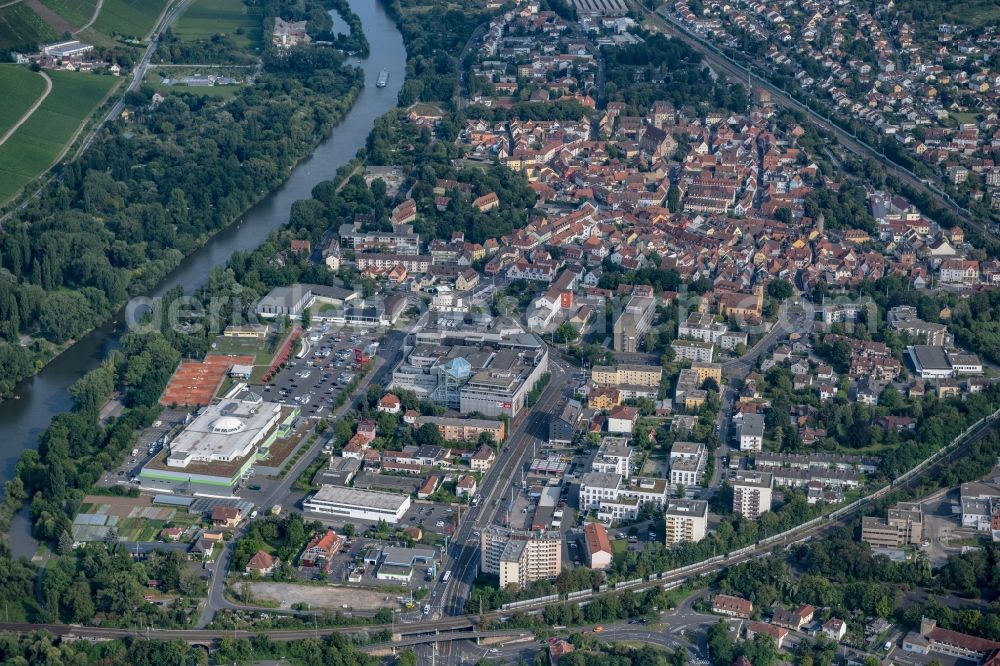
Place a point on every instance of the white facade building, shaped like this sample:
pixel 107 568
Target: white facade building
pixel 354 504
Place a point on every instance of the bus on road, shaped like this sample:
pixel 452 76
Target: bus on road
pixel 445 576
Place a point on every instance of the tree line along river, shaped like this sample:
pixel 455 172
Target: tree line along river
pixel 45 395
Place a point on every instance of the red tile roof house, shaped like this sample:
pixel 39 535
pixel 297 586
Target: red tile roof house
pixel 777 633
pixel 226 516
pixel 732 606
pixel 261 564
pixel 487 202
pixel 558 650
pixel 320 550
pixel 795 619
pixel 171 533
pixel 599 553
pixel 430 485
pixel 483 458
pixel 389 404
pixel 834 628
pixel 466 486
pixel 368 429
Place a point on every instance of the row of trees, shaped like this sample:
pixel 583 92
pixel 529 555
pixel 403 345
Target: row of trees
pixel 44 649
pixel 152 188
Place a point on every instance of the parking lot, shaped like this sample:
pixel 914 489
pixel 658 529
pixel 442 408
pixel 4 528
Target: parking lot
pixel 147 446
pixel 314 382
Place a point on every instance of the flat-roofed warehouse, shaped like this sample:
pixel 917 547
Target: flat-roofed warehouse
pixel 601 7
pixel 357 504
pixel 930 361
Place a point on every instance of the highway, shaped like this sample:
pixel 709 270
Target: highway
pixel 716 58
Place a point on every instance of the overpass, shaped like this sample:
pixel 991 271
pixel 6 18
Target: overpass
pixel 438 637
pixel 430 630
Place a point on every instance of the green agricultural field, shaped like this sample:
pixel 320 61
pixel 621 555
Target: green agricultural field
pixel 205 18
pixel 38 142
pixel 128 18
pixel 22 29
pixel 21 87
pixel 77 12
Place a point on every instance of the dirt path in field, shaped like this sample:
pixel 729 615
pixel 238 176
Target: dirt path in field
pixel 97 12
pixel 31 109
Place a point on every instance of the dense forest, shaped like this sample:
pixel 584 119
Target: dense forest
pixel 434 39
pixel 150 190
pixel 661 68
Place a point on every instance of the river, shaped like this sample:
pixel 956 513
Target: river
pixel 45 395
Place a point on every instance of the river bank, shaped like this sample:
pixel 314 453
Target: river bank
pixel 45 395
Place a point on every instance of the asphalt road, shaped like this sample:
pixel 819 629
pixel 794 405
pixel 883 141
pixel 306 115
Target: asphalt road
pixel 216 592
pixel 426 625
pixel 671 25
pixel 463 559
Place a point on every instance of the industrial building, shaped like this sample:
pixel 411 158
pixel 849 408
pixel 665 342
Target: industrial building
pixel 397 564
pixel 903 524
pixel 294 299
pixel 221 444
pixel 355 504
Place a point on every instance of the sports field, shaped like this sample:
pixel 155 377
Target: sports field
pixel 40 140
pixel 195 383
pixel 21 28
pixel 205 18
pixel 77 12
pixel 128 18
pixel 21 88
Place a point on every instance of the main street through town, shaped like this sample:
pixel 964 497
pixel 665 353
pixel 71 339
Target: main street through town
pixel 463 556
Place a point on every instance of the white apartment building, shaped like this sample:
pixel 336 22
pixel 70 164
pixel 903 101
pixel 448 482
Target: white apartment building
pixel 752 432
pixel 520 556
pixel 626 374
pixel 752 493
pixel 614 456
pixel 688 461
pixel 616 500
pixel 701 326
pixel 693 350
pixel 596 487
pixel 686 520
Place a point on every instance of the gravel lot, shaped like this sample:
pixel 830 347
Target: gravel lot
pixel 328 596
